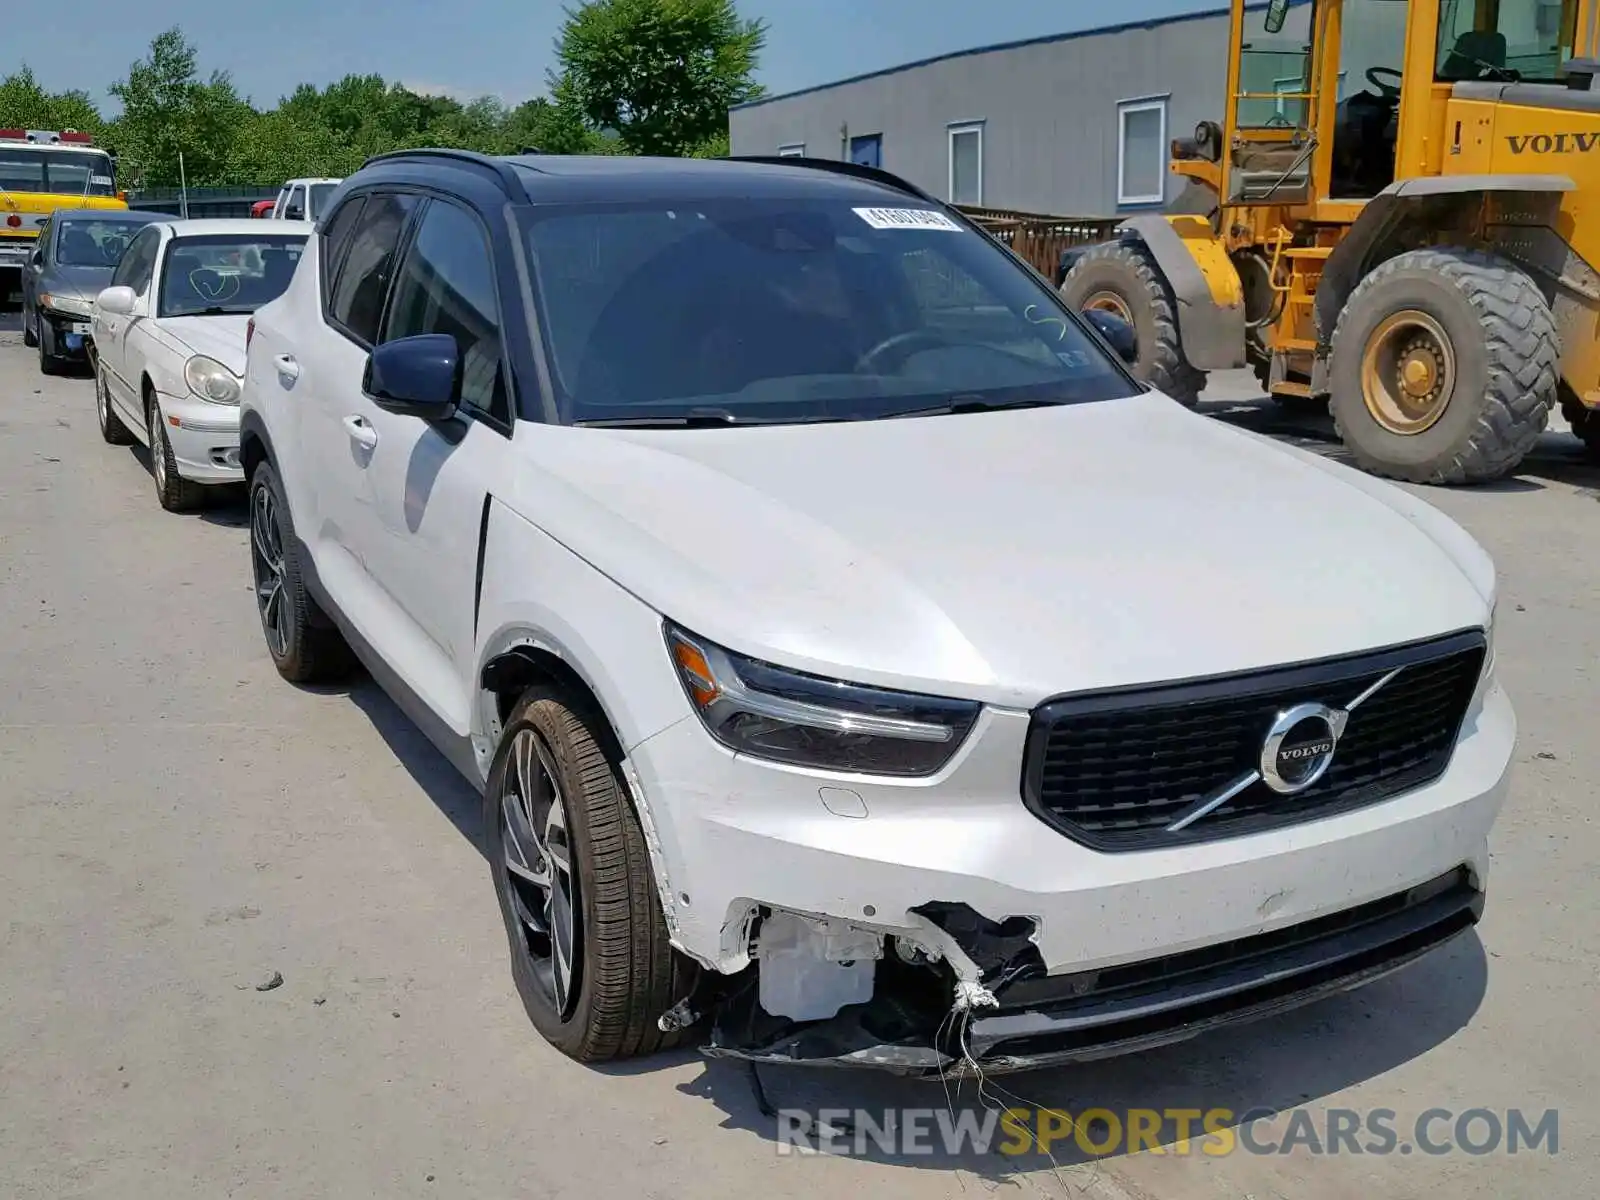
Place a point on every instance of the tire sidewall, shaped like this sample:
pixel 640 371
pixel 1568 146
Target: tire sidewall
pixel 264 477
pixel 537 710
pixel 1432 293
pixel 1118 277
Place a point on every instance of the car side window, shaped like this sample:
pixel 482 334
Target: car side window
pixel 335 241
pixel 138 260
pixel 446 285
pixel 363 280
pixel 297 200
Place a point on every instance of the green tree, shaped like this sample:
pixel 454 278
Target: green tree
pixel 168 110
pixel 24 104
pixel 661 73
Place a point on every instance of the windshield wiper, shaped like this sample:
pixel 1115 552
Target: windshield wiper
pixel 977 404
pixel 695 418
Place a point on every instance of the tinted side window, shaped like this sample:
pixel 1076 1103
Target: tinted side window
pixel 363 280
pixel 446 285
pixel 335 241
pixel 134 268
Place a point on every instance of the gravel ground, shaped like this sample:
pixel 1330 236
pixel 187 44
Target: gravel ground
pixel 180 826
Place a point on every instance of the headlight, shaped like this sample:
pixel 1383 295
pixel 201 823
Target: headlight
pixel 787 716
pixel 210 380
pixel 74 306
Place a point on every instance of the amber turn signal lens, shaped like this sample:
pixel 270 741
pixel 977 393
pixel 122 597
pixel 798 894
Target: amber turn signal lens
pixel 702 684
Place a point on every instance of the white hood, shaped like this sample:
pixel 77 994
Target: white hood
pixel 1003 556
pixel 221 338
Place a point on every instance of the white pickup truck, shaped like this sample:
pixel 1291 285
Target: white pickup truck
pixel 302 199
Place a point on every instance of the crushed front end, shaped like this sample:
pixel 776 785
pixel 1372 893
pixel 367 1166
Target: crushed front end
pixel 1067 886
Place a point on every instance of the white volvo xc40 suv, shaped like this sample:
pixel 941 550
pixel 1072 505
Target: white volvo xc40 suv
pixel 856 662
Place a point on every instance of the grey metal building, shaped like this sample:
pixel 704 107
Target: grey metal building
pixel 1076 124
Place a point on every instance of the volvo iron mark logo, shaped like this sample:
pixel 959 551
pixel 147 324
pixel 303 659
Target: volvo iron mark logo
pixel 1300 746
pixel 1298 750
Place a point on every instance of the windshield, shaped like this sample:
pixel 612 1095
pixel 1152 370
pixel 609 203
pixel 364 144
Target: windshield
pixel 57 172
pixel 796 310
pixel 220 274
pixel 319 199
pixel 84 242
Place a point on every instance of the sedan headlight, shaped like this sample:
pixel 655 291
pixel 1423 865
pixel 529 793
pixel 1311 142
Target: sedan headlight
pixel 73 306
pixel 787 716
pixel 210 380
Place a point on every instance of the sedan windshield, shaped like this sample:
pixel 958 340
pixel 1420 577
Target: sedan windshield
pixel 219 274
pixel 797 309
pixel 85 242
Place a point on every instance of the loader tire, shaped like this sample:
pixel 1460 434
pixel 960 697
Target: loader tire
pixel 1123 278
pixel 1486 343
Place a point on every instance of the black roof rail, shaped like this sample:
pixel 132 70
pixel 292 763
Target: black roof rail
pixel 840 167
pixel 502 169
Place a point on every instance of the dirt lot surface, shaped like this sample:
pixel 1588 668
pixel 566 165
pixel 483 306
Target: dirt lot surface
pixel 179 824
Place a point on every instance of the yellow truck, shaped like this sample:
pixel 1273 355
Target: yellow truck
pixel 40 171
pixel 1398 215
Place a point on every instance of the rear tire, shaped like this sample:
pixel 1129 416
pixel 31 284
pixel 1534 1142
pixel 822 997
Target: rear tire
pixel 1124 276
pixel 112 430
pixel 1498 387
pixel 1584 422
pixel 304 644
pixel 625 973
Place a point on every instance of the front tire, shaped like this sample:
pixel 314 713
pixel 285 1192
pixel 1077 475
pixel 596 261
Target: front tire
pixel 1444 367
pixel 589 947
pixel 175 493
pixel 304 644
pixel 1123 279
pixel 30 339
pixel 45 339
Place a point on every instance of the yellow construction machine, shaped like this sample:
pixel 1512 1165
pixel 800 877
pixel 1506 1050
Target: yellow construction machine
pixel 1399 216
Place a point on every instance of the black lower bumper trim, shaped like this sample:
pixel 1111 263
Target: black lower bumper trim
pixel 1078 1018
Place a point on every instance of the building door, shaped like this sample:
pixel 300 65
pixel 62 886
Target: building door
pixel 867 150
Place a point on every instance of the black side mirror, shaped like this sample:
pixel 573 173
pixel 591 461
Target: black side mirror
pixel 38 257
pixel 1119 335
pixel 294 212
pixel 415 376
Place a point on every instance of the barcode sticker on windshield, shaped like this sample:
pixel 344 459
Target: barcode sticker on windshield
pixel 907 218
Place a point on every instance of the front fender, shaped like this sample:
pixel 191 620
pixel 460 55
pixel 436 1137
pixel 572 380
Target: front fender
pixel 1204 282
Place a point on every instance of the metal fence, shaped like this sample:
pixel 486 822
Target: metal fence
pixel 203 201
pixel 1041 238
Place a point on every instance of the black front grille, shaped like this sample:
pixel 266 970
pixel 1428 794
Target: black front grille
pixel 1114 769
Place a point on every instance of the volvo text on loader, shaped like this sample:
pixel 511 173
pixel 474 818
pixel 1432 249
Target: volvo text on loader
pixel 1420 253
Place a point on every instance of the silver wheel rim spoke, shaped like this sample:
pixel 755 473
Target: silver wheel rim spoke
pixel 266 557
pixel 538 861
pixel 158 457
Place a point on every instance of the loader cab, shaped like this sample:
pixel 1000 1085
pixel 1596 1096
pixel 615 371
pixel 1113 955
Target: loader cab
pixel 1333 100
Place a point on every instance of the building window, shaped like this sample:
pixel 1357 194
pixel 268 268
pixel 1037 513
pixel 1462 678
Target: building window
pixel 1142 151
pixel 797 150
pixel 966 164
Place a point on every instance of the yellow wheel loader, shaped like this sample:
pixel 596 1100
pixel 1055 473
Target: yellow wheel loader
pixel 1399 217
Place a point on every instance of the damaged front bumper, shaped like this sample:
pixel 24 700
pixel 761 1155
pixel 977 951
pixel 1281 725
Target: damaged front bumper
pixel 1038 1020
pixel 939 926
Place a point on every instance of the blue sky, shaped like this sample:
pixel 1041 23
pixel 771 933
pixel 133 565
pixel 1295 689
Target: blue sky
pixel 503 47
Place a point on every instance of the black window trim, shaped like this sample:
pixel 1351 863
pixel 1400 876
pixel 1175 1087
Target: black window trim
pixel 402 244
pixel 327 270
pixel 403 253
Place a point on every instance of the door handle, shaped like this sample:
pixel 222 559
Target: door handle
pixel 287 366
pixel 361 433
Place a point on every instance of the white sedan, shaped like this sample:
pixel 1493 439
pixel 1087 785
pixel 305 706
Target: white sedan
pixel 169 344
